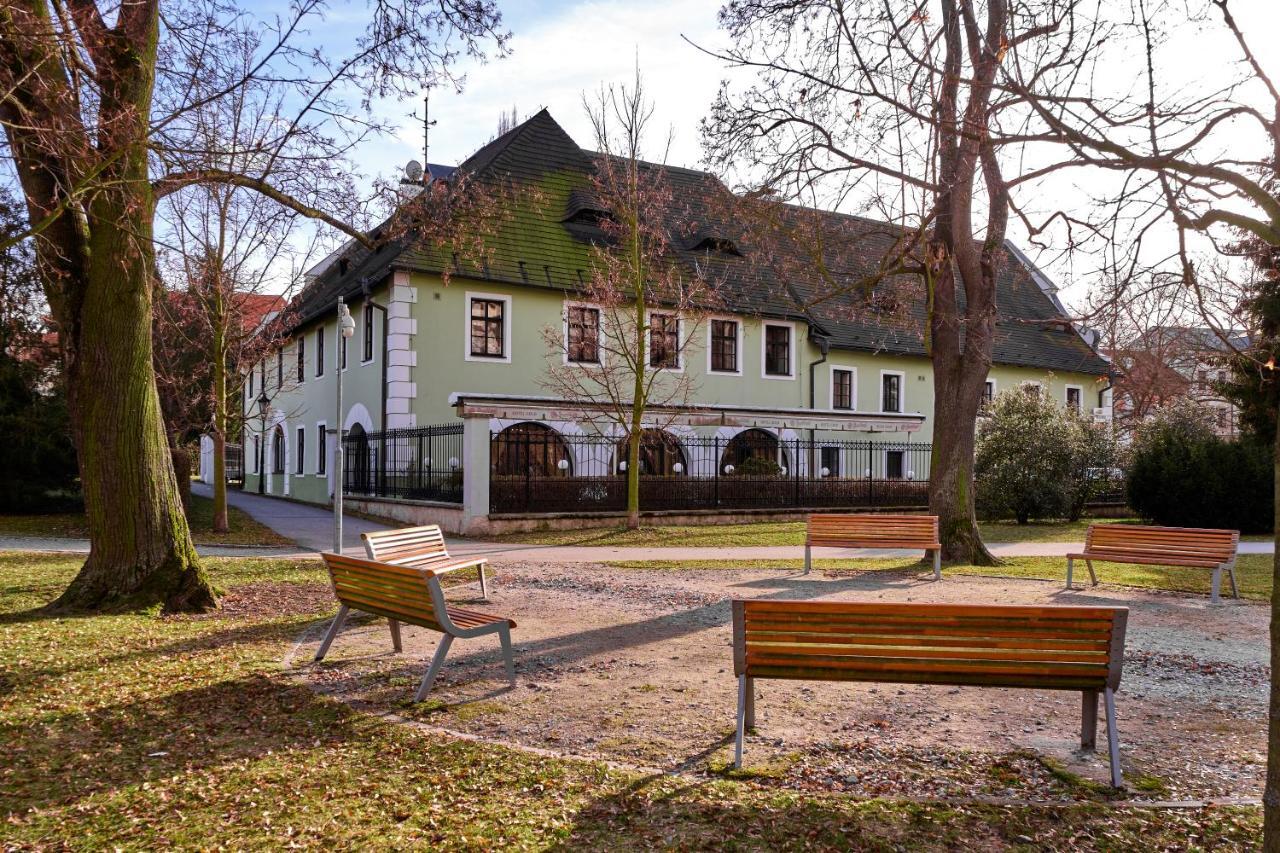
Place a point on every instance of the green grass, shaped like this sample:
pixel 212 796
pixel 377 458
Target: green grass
pixel 776 533
pixel 244 530
pixel 787 533
pixel 140 732
pixel 1253 571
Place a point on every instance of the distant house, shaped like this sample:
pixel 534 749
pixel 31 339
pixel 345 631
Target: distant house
pixel 837 400
pixel 1169 363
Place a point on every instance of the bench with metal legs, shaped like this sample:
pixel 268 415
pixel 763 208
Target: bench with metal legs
pixel 873 530
pixel 1201 548
pixel 412 596
pixel 1047 648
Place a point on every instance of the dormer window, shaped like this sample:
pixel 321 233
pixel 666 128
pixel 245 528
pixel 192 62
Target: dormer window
pixel 586 210
pixel 720 245
pixel 594 217
pixel 344 264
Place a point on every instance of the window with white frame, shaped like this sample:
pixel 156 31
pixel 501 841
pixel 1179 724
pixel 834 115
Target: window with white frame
pixel 724 346
pixel 841 388
pixel 777 350
pixel 1075 398
pixel 894 464
pixel 989 392
pixel 582 334
pixel 320 351
pixel 368 331
pixel 891 392
pixel 664 341
pixel 830 462
pixel 488 327
pixel 280 367
pixel 322 455
pixel 302 359
pixel 299 451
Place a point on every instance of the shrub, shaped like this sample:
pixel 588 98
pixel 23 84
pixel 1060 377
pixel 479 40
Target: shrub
pixel 1183 475
pixel 1035 459
pixel 758 466
pixel 36 454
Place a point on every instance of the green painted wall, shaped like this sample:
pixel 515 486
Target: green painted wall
pixel 442 368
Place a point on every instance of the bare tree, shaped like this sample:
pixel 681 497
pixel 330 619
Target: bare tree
pixel 622 348
pixel 896 110
pixel 1198 167
pixel 95 103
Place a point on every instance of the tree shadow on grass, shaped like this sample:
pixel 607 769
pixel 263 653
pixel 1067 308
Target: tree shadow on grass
pixel 279 631
pixel 72 755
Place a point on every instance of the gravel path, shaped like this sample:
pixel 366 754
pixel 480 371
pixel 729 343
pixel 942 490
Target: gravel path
pixel 635 666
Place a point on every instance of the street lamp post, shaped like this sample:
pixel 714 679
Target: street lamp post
pixel 264 408
pixel 346 328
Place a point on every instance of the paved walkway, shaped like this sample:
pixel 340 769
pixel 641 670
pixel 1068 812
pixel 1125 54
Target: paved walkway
pixel 312 528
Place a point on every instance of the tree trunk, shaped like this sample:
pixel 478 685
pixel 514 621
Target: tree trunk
pixel 141 552
pixel 959 370
pixel 951 487
pixel 1271 794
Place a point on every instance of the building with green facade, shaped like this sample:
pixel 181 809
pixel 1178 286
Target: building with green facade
pixel 445 396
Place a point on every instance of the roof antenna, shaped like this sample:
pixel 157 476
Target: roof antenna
pixel 426 134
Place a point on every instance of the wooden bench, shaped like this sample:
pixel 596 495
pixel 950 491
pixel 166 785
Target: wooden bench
pixel 873 531
pixel 420 548
pixel 1049 648
pixel 1161 546
pixel 412 596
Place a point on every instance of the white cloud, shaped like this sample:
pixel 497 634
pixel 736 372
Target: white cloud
pixel 556 60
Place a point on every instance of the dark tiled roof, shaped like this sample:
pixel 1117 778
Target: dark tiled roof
pixel 536 246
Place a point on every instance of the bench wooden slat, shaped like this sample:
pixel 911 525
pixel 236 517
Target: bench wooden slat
pixel 854 649
pixel 790 673
pixel 937 639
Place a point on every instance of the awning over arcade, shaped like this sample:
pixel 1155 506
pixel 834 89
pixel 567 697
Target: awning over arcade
pixel 516 407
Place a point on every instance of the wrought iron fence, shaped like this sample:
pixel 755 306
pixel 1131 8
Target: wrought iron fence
pixel 234 460
pixel 424 463
pixel 534 469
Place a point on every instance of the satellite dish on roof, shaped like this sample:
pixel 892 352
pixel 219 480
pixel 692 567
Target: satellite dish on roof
pixel 413 170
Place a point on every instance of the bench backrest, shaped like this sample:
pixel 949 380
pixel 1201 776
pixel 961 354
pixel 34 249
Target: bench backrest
pixel 1064 648
pixel 873 531
pixel 406 545
pixel 1191 543
pixel 396 592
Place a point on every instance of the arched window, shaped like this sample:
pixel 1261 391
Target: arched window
pixel 277 450
pixel 530 449
pixel 753 444
pixel 660 453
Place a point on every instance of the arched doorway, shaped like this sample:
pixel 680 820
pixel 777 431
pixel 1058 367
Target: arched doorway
pixel 530 448
pixel 756 449
pixel 660 454
pixel 359 468
pixel 277 450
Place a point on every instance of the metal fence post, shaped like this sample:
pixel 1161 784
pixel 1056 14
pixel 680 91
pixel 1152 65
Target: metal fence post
pixel 795 474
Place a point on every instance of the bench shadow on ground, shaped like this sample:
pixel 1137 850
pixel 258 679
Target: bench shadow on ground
pixel 576 646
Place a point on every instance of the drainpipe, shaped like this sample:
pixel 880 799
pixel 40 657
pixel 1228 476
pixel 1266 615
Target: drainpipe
pixel 824 346
pixel 382 450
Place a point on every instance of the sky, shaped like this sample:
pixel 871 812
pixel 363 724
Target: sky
pixel 565 49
